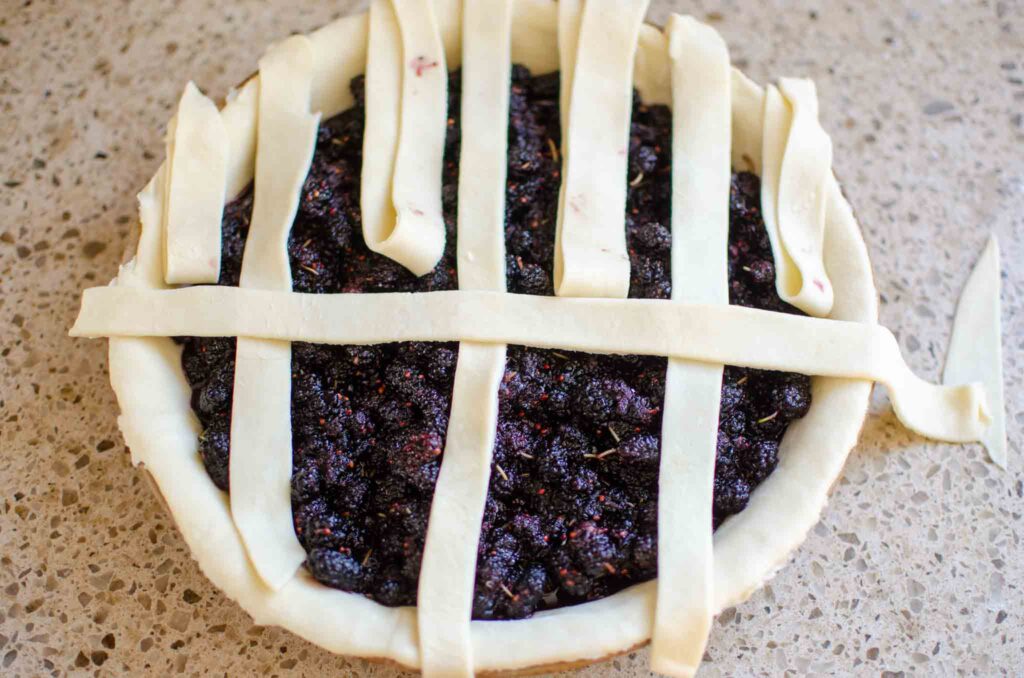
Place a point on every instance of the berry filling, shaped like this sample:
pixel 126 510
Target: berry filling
pixel 571 513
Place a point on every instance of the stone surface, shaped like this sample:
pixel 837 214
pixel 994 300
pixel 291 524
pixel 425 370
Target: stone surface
pixel 915 567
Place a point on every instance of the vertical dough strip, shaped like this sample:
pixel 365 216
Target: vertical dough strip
pixel 448 572
pixel 261 441
pixel 591 259
pixel 403 142
pixel 197 165
pixel 797 158
pixel 701 176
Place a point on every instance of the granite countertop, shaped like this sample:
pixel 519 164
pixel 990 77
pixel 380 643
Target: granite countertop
pixel 916 565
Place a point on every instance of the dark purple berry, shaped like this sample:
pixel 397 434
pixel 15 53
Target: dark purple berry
pixel 335 569
pixel 213 448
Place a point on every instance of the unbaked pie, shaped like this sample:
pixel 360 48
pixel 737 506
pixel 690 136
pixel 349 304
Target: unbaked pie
pixel 460 322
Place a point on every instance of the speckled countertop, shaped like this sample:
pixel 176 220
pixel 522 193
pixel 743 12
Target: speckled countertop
pixel 916 566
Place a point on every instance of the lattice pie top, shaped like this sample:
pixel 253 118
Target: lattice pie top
pixel 267 131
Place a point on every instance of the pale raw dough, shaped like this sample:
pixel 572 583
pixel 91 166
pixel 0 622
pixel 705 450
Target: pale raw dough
pixel 240 122
pixel 261 437
pixel 976 346
pixel 197 157
pixel 286 133
pixel 685 598
pixel 448 572
pixel 591 259
pixel 729 335
pixel 146 269
pixel 160 428
pixel 701 181
pixel 383 86
pixel 449 23
pixel 339 55
pixel 701 165
pixel 483 159
pixel 747 123
pixel 797 167
pixel 403 143
pixel 570 14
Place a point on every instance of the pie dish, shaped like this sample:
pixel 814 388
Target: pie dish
pixel 486 461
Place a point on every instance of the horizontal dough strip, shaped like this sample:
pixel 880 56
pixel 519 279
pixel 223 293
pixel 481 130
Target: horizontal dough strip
pixel 730 335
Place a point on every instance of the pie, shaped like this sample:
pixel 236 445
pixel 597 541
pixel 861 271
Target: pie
pixel 456 309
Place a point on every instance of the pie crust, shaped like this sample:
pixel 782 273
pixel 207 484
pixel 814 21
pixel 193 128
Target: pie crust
pixel 700 233
pixel 798 156
pixel 197 156
pixel 238 544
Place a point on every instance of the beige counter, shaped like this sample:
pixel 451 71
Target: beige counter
pixel 917 565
